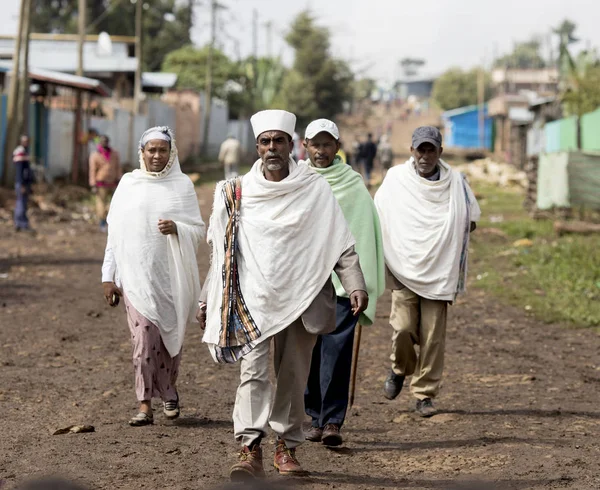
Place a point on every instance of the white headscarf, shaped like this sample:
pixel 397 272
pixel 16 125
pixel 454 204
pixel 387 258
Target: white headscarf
pixel 159 273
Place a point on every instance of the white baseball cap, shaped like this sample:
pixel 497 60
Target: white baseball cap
pixel 322 125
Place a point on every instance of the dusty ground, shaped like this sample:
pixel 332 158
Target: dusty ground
pixel 519 405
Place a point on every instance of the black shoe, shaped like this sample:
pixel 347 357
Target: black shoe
pixel 331 435
pixel 393 385
pixel 425 408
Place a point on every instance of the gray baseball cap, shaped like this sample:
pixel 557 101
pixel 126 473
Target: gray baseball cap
pixel 427 134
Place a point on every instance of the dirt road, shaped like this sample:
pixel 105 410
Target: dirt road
pixel 520 403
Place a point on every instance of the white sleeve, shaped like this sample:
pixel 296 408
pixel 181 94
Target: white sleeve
pixel 109 266
pixel 474 205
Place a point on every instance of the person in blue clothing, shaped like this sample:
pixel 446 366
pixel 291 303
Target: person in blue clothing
pixel 24 178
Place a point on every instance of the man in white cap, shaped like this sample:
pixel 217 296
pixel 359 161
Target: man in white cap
pixel 326 397
pixel 270 278
pixel 427 212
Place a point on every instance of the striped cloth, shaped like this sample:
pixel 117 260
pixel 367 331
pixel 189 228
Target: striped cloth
pixel 238 328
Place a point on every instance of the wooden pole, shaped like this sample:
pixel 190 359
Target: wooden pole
pixel 24 95
pixel 137 91
pixel 13 105
pixel 209 77
pixel 82 11
pixel 481 102
pixel 354 371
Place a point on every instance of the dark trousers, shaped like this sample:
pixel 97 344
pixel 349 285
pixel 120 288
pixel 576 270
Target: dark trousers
pixel 326 395
pixel 21 220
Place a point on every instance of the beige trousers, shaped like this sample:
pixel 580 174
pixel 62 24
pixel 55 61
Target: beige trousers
pixel 103 196
pixel 422 322
pixel 255 407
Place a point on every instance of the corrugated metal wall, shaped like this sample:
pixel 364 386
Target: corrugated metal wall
pixel 462 130
pixel 584 179
pixel 568 134
pixel 590 131
pixel 553 181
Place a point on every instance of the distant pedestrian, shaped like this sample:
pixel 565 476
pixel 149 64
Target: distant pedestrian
pixel 356 152
pixel 427 211
pixel 230 155
pixel 386 155
pixel 368 154
pixel 24 179
pixel 105 173
pixel 154 230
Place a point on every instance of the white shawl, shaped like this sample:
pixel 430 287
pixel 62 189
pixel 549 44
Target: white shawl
pixel 291 235
pixel 425 226
pixel 159 273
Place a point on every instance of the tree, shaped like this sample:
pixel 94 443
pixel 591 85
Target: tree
pixel 524 55
pixel 190 64
pixel 458 88
pixel 318 85
pixel 166 26
pixel 584 94
pixel 260 80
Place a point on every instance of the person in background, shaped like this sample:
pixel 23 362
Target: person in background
pixel 105 173
pixel 230 155
pixel 341 153
pixel 356 160
pixel 427 211
pixel 24 179
pixel 326 395
pixel 369 152
pixel 386 155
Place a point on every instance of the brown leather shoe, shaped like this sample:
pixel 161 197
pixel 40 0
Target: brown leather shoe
pixel 286 462
pixel 314 434
pixel 249 466
pixel 331 435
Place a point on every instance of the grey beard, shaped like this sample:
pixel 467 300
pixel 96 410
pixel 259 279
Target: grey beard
pixel 273 167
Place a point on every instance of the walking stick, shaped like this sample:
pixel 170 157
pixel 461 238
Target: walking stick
pixel 355 350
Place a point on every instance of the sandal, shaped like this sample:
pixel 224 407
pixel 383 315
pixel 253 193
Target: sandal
pixel 171 409
pixel 142 418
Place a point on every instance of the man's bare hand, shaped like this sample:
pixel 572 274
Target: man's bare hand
pixel 167 227
pixel 201 316
pixel 112 293
pixel 359 300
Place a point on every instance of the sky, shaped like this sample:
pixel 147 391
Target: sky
pixel 373 35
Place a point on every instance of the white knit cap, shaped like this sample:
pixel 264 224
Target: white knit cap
pixel 322 125
pixel 273 120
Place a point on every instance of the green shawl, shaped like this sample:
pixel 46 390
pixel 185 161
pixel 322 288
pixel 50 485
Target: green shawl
pixel 360 213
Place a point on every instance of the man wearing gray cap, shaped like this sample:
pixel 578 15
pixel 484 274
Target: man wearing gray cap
pixel 427 211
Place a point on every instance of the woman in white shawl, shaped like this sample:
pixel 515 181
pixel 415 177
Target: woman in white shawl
pixel 154 229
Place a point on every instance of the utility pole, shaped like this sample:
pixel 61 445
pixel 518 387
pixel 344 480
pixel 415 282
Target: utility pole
pixel 269 28
pixel 481 103
pixel 13 105
pixel 23 97
pixel 209 76
pixel 138 54
pixel 81 17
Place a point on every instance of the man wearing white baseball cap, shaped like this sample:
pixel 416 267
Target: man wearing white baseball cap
pixel 270 278
pixel 326 396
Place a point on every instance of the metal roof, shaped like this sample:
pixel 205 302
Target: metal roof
pixel 62 56
pixel 62 79
pixel 462 110
pixel 159 80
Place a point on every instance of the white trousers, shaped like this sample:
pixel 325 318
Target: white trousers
pixel 255 406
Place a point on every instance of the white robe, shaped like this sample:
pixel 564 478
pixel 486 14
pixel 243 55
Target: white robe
pixel 291 235
pixel 425 226
pixel 159 273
